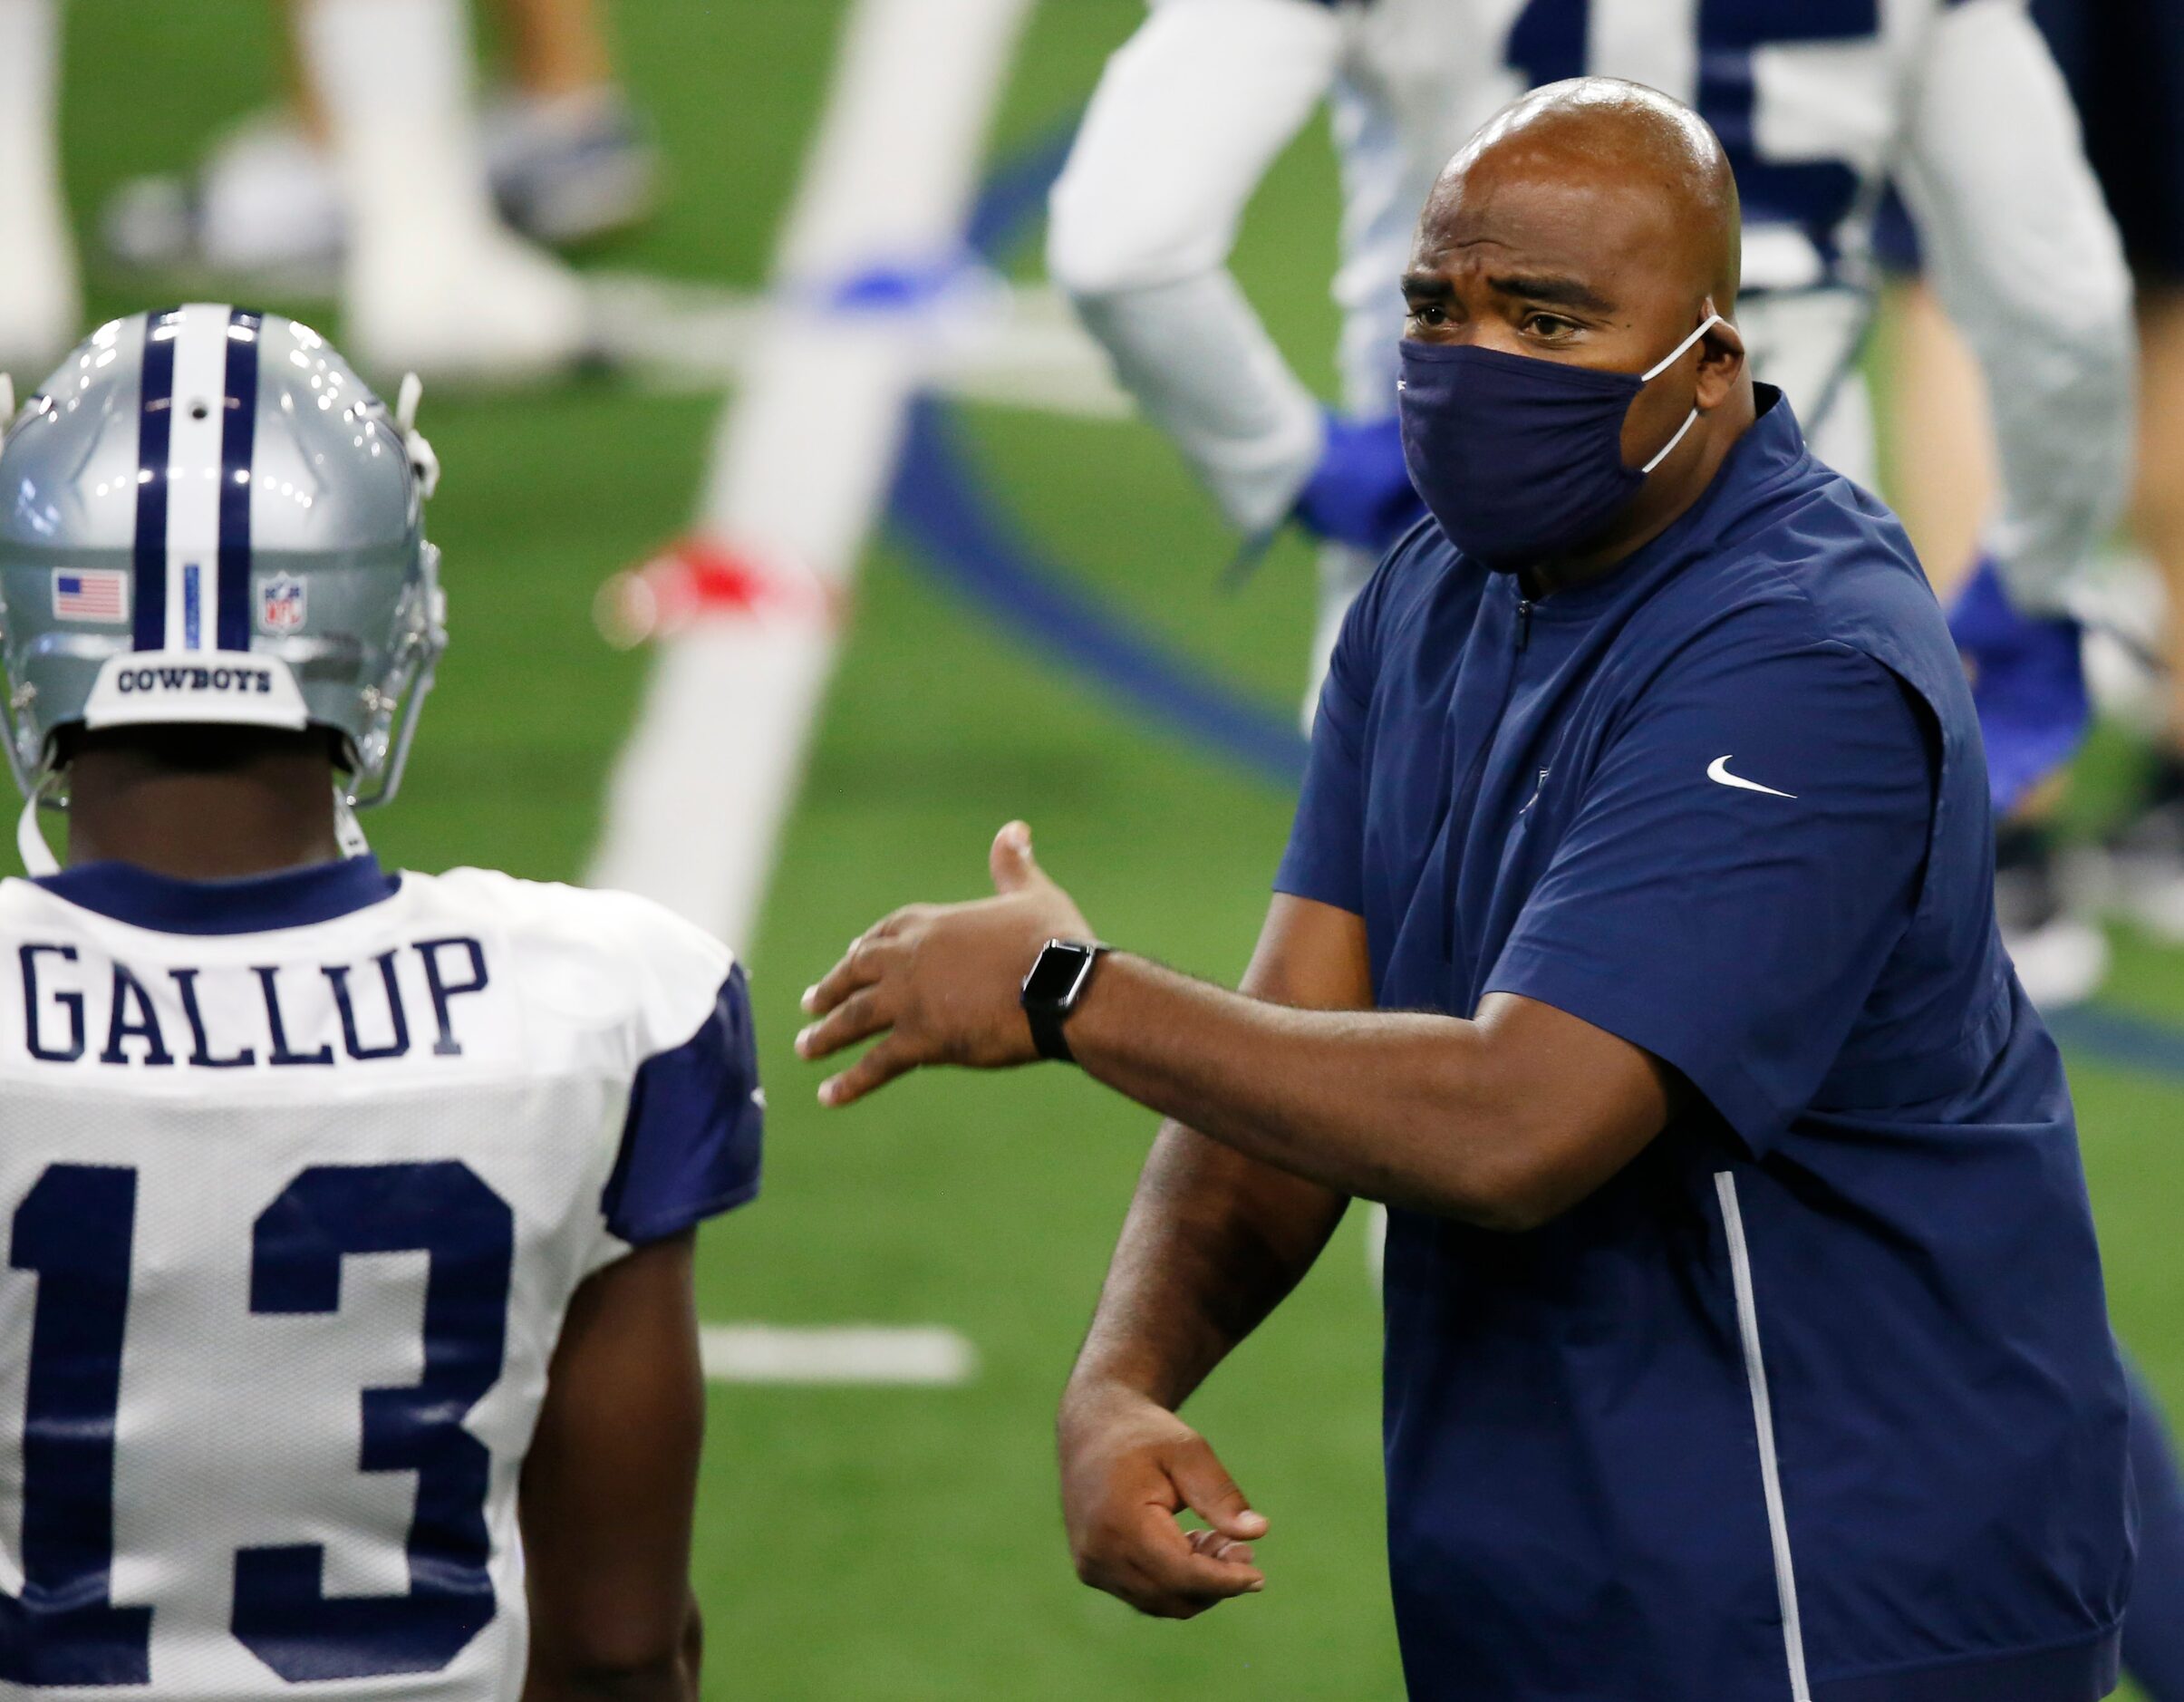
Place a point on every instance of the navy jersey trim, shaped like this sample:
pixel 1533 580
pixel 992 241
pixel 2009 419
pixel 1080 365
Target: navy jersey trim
pixel 693 1137
pixel 296 898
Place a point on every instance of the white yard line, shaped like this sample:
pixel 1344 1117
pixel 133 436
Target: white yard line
pixel 804 454
pixel 919 1355
pixel 802 461
pixel 1012 347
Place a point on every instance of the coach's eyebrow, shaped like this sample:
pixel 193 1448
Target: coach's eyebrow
pixel 1557 292
pixel 1427 286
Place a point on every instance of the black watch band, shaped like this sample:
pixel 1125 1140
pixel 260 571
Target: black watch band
pixel 1059 977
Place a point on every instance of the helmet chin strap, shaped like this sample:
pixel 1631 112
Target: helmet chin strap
pixel 346 832
pixel 38 858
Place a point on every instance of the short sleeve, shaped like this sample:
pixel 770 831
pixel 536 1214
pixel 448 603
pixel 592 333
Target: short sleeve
pixel 1746 855
pixel 1324 859
pixel 693 1135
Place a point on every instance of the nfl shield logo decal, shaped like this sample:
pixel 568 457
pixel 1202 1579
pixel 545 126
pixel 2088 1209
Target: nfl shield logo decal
pixel 281 603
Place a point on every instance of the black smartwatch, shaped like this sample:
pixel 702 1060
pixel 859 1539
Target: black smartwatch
pixel 1058 978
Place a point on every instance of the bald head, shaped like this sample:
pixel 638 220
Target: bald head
pixel 1642 171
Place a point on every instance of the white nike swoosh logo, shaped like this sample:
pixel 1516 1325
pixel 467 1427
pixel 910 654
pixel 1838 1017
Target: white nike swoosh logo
pixel 1718 769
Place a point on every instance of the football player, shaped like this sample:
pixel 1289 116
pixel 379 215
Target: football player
pixel 347 1337
pixel 2125 65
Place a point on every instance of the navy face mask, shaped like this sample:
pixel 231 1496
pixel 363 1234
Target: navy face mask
pixel 1522 459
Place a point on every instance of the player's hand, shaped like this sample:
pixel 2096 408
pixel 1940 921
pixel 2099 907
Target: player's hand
pixel 1360 492
pixel 1128 1466
pixel 2028 684
pixel 941 983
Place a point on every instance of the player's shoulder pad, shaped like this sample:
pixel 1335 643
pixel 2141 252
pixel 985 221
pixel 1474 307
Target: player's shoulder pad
pixel 602 956
pixel 691 1139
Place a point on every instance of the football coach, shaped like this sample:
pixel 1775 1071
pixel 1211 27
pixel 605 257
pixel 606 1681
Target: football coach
pixel 1634 943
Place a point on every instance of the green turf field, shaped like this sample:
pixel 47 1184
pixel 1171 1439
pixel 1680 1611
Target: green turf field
pixel 900 1545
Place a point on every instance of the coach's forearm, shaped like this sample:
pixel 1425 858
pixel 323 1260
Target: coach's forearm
pixel 1412 1109
pixel 1213 1242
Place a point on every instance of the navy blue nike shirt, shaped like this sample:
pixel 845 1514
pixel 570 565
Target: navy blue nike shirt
pixel 1816 1400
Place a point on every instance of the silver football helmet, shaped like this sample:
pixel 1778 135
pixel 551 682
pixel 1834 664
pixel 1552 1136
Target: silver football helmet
pixel 205 517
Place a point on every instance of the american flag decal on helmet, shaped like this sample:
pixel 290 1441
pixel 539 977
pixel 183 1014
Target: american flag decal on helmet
pixel 91 593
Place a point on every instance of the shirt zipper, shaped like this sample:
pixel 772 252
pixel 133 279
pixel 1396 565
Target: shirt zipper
pixel 1524 624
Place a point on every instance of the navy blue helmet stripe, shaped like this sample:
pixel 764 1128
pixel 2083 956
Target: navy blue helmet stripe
pixel 155 425
pixel 239 445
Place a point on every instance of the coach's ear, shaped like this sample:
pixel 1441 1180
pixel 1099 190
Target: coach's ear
pixel 1721 364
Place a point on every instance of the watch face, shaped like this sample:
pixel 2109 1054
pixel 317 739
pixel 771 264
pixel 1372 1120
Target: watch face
pixel 1057 974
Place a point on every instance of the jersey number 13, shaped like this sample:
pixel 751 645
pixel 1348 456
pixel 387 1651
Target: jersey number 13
pixel 74 1231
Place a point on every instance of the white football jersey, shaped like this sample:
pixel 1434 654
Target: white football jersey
pixel 301 1173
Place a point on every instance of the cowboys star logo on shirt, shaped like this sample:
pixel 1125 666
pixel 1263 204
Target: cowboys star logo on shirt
pixel 281 603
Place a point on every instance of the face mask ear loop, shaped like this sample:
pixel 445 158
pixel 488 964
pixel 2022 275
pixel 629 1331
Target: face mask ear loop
pixel 1668 361
pixel 1690 420
pixel 1676 354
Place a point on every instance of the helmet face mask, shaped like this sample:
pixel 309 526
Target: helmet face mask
pixel 206 517
pixel 378 759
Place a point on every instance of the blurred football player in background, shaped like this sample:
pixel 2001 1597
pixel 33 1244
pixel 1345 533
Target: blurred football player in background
pixel 431 278
pixel 383 184
pixel 246 1065
pixel 565 156
pixel 1816 105
pixel 2124 60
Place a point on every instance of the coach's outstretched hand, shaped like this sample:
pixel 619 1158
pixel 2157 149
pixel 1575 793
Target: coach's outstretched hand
pixel 941 981
pixel 1129 1466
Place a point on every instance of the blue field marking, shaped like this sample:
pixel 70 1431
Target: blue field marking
pixel 1016 194
pixel 960 534
pixel 963 541
pixel 2104 1035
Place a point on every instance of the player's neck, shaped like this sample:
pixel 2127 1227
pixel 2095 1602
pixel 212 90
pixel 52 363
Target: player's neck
pixel 261 816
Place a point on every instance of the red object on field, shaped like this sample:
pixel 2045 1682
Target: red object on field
pixel 699 578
